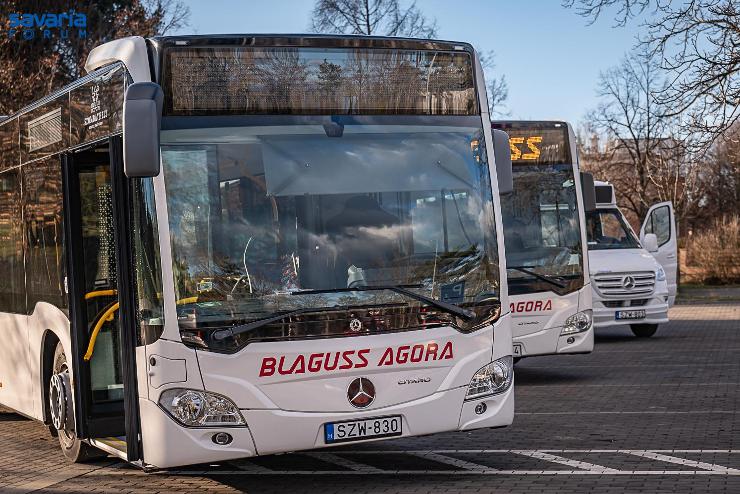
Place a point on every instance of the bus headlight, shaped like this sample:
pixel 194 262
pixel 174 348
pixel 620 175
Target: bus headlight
pixel 491 379
pixel 660 274
pixel 194 408
pixel 577 323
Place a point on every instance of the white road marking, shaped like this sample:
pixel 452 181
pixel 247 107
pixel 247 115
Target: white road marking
pixel 455 462
pixel 683 461
pixel 471 468
pixel 343 462
pixel 450 472
pixel 582 465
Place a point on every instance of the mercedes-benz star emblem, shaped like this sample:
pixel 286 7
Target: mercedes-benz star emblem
pixel 355 325
pixel 628 282
pixel 361 392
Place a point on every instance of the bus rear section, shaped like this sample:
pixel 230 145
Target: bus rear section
pixel 546 261
pixel 329 252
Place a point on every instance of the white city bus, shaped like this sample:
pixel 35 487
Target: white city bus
pixel 217 247
pixel 548 276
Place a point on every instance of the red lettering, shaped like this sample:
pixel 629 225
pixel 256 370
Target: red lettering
pixel 402 354
pixel 281 371
pixel 431 351
pixel 548 305
pixel 387 358
pixel 512 307
pixel 268 366
pixel 520 307
pixel 538 305
pixel 299 366
pixel 529 306
pixel 348 361
pixel 334 365
pixel 414 356
pixel 314 362
pixel 446 351
pixel 361 355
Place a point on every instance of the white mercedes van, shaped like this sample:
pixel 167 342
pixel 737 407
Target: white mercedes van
pixel 634 281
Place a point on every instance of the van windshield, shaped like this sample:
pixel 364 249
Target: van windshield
pixel 607 229
pixel 259 214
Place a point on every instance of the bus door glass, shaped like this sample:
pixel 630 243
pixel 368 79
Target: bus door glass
pixel 103 353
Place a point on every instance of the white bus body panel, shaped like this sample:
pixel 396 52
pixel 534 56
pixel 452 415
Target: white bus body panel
pixel 538 319
pixel 20 368
pixel 287 412
pixel 130 50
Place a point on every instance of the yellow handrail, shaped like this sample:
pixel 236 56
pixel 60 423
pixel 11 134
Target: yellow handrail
pixel 187 300
pixel 100 293
pixel 107 316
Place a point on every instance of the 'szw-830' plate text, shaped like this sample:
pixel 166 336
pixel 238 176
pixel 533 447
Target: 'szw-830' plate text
pixel 357 430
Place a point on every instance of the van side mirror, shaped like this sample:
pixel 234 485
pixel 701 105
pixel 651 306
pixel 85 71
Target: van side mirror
pixel 142 115
pixel 502 155
pixel 588 191
pixel 650 242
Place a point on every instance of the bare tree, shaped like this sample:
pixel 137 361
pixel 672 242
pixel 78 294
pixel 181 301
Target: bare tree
pixel 496 87
pixel 39 65
pixel 641 151
pixel 378 17
pixel 697 44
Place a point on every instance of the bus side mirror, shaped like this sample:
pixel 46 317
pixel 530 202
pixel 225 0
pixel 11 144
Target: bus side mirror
pixel 650 242
pixel 142 114
pixel 588 191
pixel 502 156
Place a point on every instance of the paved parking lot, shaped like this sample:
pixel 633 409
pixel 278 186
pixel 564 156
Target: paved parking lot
pixel 655 415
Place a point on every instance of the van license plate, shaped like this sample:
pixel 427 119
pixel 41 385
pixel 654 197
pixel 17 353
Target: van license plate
pixel 630 314
pixel 357 430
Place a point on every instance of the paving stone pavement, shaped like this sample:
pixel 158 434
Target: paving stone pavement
pixel 652 415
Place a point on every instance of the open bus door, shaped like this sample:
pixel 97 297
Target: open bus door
pixel 661 221
pixel 101 301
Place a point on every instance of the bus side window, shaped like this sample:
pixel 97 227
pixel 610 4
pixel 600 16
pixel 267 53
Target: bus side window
pixel 12 289
pixel 42 205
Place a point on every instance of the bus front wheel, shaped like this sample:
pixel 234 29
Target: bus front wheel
pixel 60 405
pixel 644 330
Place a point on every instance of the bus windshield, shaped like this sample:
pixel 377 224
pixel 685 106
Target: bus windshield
pixel 260 214
pixel 541 230
pixel 607 230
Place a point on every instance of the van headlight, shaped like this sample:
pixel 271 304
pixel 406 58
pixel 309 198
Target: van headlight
pixel 577 323
pixel 659 274
pixel 491 379
pixel 194 408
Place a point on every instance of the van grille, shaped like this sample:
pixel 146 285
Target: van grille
pixel 635 302
pixel 639 283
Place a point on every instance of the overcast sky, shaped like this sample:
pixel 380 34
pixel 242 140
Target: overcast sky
pixel 550 56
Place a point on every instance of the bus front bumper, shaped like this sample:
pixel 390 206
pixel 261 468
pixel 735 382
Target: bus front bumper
pixel 550 341
pixel 168 444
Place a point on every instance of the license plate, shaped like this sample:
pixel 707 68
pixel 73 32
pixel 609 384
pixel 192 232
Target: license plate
pixel 517 350
pixel 357 430
pixel 630 314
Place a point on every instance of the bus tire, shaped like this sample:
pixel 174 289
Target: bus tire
pixel 644 330
pixel 74 449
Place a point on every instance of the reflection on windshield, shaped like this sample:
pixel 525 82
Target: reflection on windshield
pixel 608 230
pixel 541 229
pixel 259 214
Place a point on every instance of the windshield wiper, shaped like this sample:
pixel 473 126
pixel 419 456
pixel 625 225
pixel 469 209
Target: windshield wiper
pixel 545 278
pixel 222 334
pixel 403 290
